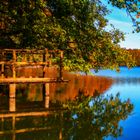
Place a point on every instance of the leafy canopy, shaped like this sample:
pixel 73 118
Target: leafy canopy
pixel 75 26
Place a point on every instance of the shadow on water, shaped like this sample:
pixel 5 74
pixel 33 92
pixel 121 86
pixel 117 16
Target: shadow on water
pixel 83 118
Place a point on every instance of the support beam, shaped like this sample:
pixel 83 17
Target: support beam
pixel 47 92
pixel 12 97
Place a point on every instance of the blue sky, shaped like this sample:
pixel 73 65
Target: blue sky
pixel 122 21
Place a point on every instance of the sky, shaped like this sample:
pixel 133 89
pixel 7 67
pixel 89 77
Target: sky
pixel 121 20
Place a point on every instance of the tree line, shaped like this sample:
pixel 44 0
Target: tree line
pixel 135 55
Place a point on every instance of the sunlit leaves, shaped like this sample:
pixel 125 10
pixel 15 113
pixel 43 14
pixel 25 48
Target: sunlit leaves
pixel 75 26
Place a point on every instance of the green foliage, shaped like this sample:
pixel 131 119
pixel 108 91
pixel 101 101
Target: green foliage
pixel 76 27
pixel 95 117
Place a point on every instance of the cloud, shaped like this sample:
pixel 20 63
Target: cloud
pixel 131 39
pixel 122 25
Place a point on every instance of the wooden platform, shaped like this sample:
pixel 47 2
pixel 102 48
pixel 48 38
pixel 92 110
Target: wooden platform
pixel 18 58
pixel 30 80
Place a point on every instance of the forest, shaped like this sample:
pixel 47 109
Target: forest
pixel 136 55
pixel 76 27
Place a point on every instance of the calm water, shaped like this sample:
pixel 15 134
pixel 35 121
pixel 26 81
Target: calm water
pixel 86 119
pixel 128 85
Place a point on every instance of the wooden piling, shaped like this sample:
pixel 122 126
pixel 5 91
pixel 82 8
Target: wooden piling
pixel 47 92
pixel 12 97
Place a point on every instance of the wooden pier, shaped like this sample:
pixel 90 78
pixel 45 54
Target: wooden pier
pixel 18 58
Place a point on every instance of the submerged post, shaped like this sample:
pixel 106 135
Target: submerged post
pixel 12 97
pixel 47 92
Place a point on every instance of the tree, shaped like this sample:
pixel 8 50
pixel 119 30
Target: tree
pixel 75 26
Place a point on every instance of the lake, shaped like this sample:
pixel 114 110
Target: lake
pixel 127 83
pixel 83 118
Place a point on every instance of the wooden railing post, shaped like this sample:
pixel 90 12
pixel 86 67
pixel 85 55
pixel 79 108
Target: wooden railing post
pixel 61 66
pixel 14 61
pixel 2 67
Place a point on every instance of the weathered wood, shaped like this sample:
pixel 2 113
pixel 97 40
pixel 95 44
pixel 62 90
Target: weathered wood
pixel 30 80
pixel 32 113
pixel 13 65
pixel 45 56
pixel 24 130
pixel 12 97
pixel 47 92
pixel 23 63
pixel 61 65
pixel 2 70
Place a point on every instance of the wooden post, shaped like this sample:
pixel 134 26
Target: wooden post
pixel 13 67
pixel 2 66
pixel 2 123
pixel 12 99
pixel 60 134
pixel 2 70
pixel 47 92
pixel 46 55
pixel 50 60
pixel 61 125
pixel 13 127
pixel 60 65
pixel 24 57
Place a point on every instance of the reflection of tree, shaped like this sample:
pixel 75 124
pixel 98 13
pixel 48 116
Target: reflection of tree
pixel 85 118
pixel 86 84
pixel 91 118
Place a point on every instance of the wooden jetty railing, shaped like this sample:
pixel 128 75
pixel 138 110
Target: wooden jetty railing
pixel 17 58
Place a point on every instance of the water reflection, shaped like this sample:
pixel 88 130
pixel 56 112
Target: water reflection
pixel 127 80
pixel 128 85
pixel 84 118
pixel 86 84
pixel 30 95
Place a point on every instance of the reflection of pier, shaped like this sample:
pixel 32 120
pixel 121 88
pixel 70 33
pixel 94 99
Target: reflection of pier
pixel 17 118
pixel 17 58
pixel 129 80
